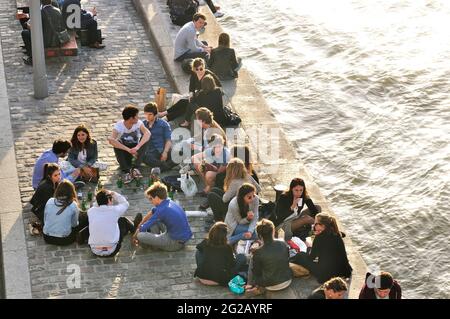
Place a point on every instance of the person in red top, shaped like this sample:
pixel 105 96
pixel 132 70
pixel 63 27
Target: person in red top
pixel 382 286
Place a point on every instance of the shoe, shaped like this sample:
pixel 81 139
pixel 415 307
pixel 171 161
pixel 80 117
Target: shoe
pixel 185 125
pixel 204 206
pixel 34 231
pixel 127 178
pixel 219 14
pixel 136 173
pixel 97 45
pixel 28 61
pixel 137 220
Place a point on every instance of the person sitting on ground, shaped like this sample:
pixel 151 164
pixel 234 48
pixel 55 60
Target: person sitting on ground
pixel 88 21
pixel 59 150
pixel 158 153
pixel 184 107
pixel 210 97
pixel 187 45
pixel 242 214
pixel 107 225
pixel 43 193
pixel 128 144
pixel 382 286
pixel 52 24
pixel 269 265
pixel 204 129
pixel 242 152
pixel 211 161
pixel 223 61
pixel 166 226
pixel 236 176
pixel 214 9
pixel 289 215
pixel 216 261
pixel 335 288
pixel 199 71
pixel 83 154
pixel 327 257
pixel 62 220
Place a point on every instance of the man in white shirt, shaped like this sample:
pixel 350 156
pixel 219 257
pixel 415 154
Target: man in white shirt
pixel 187 45
pixel 128 144
pixel 107 226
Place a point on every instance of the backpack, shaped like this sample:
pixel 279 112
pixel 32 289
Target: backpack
pixel 181 11
pixel 231 118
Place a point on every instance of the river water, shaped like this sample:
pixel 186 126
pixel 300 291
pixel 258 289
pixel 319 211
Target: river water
pixel 362 89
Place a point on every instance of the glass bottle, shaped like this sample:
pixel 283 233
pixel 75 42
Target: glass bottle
pixel 120 182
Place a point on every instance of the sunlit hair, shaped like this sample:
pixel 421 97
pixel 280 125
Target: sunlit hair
pixel 49 169
pixel 336 284
pixel 224 40
pixel 75 142
pixel 329 222
pixel 217 235
pixel 198 62
pixel 208 83
pixel 265 230
pixel 65 193
pixel 158 189
pixel 245 189
pixel 235 170
pixel 243 152
pixel 206 116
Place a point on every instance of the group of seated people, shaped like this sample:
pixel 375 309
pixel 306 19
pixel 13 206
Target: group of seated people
pixel 58 16
pixel 221 61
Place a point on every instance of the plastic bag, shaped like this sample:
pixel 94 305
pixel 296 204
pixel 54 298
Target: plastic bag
pixel 188 185
pixel 237 285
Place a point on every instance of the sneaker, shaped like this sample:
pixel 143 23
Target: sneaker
pixel 137 220
pixel 219 14
pixel 136 173
pixel 34 231
pixel 127 178
pixel 28 61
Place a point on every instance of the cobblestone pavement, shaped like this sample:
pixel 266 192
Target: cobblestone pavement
pixel 92 88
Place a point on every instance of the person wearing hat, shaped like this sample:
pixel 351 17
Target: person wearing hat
pixel 382 286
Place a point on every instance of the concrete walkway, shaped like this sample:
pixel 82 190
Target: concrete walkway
pixel 92 88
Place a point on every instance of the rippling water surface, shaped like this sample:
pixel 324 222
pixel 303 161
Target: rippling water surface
pixel 363 91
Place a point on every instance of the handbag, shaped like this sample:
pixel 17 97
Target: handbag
pixel 63 36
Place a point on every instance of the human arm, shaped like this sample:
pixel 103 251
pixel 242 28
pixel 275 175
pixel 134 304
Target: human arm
pixel 231 191
pixel 145 138
pixel 312 208
pixel 75 214
pixel 73 158
pixel 254 208
pixel 122 203
pixel 233 61
pixel 113 140
pixel 168 142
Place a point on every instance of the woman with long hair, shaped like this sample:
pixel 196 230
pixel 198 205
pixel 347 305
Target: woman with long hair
pixel 223 61
pixel 45 190
pixel 242 214
pixel 61 216
pixel 235 176
pixel 216 262
pixel 328 257
pixel 83 154
pixel 210 96
pixel 288 213
pixel 242 152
